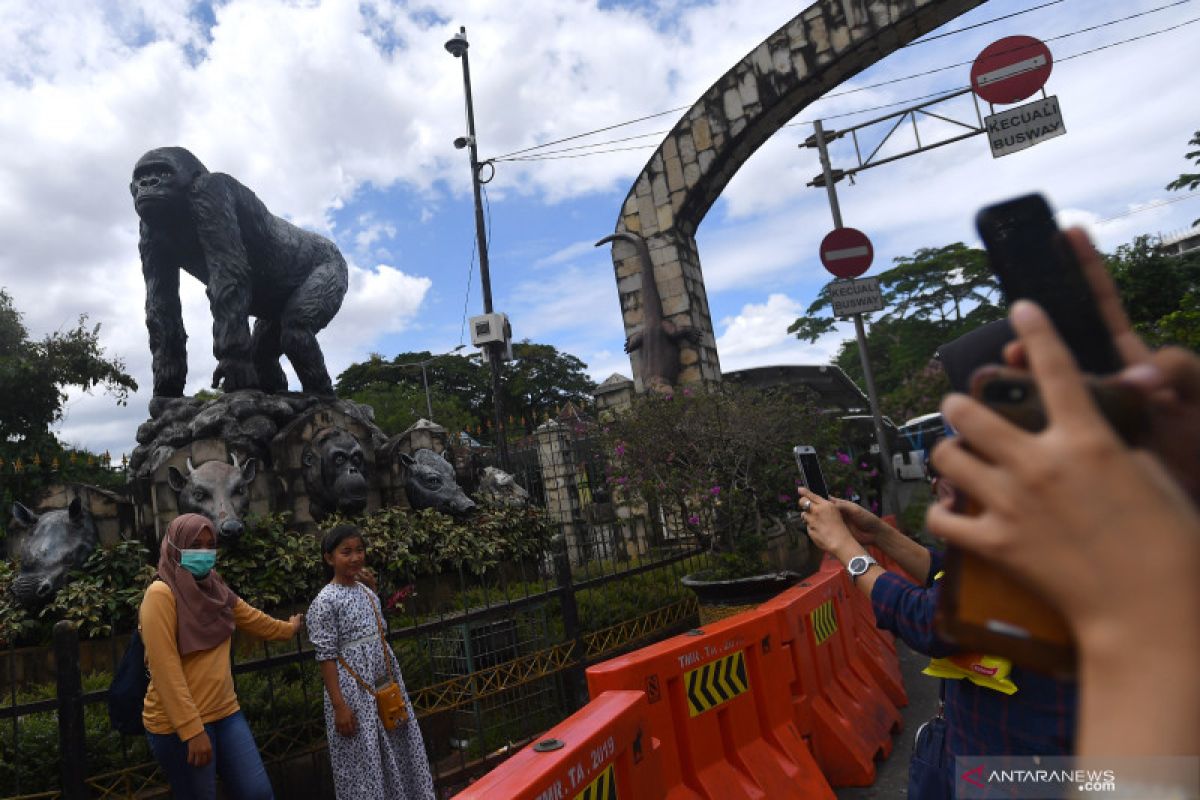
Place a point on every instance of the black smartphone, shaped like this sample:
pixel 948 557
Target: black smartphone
pixel 1033 261
pixel 1015 396
pixel 810 469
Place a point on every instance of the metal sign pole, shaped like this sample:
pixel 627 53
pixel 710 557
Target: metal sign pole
pixel 890 503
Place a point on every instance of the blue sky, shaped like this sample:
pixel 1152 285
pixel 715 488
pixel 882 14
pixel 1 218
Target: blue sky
pixel 341 115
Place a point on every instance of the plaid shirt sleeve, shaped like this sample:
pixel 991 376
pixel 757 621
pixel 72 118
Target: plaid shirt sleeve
pixel 936 565
pixel 907 610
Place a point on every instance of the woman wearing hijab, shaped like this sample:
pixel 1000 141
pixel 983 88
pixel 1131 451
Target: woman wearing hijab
pixel 193 722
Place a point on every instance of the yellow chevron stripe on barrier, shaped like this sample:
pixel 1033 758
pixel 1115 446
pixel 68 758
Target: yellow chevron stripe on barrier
pixel 603 788
pixel 715 682
pixel 823 621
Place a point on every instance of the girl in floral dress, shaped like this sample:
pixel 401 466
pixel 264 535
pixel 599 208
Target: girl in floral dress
pixel 345 623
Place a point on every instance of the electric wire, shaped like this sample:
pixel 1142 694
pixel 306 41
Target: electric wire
pixel 462 331
pixel 1149 207
pixel 554 154
pixel 534 156
pixel 966 28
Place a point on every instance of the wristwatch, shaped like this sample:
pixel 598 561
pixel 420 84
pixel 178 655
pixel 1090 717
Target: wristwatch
pixel 859 566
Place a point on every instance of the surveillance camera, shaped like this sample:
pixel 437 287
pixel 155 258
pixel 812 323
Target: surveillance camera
pixel 457 46
pixel 463 141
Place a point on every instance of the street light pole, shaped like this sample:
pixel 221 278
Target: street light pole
pixel 457 47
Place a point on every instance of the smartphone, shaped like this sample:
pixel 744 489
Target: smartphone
pixel 1033 261
pixel 1014 395
pixel 810 469
pixel 981 607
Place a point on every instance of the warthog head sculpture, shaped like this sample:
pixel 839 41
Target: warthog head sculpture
pixel 217 490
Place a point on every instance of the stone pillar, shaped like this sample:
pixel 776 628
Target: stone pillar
pixel 615 394
pixel 560 482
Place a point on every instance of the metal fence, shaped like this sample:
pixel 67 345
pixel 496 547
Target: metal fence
pixel 489 662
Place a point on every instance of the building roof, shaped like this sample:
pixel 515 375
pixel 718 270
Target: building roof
pixel 612 383
pixel 832 386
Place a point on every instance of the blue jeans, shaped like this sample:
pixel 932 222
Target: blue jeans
pixel 235 759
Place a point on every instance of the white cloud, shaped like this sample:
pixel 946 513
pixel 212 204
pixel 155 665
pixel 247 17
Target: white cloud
pixel 317 105
pixel 758 336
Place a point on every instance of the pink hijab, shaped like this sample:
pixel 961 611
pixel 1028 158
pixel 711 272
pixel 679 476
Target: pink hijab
pixel 204 607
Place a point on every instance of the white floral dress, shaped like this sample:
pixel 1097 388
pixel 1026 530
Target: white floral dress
pixel 374 763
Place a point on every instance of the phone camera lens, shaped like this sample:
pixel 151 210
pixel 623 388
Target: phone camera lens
pixel 1016 394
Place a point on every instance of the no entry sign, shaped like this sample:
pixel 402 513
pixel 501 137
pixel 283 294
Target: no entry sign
pixel 1011 69
pixel 846 252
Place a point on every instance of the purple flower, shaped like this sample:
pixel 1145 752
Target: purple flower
pixel 715 491
pixel 687 392
pixel 842 457
pixel 694 519
pixel 620 448
pixel 621 481
pixel 785 498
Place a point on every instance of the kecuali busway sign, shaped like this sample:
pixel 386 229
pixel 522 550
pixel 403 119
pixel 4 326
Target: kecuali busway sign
pixel 1024 126
pixel 855 297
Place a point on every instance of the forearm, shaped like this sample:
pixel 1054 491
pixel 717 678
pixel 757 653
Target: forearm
pixel 329 673
pixel 910 556
pixel 262 626
pixel 1133 686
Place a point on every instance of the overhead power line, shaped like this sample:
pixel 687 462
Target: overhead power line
pixel 1149 207
pixel 530 155
pixel 980 24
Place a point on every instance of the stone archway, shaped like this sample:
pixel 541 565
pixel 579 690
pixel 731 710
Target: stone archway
pixel 821 47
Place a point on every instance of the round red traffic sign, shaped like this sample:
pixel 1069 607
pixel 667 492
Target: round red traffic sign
pixel 1011 69
pixel 846 252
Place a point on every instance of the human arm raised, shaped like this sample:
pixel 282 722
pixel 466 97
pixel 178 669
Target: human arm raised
pixel 1103 532
pixel 869 529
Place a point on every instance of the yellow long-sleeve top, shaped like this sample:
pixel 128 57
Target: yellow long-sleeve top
pixel 187 691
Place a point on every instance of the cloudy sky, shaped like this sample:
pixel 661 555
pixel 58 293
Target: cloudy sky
pixel 341 116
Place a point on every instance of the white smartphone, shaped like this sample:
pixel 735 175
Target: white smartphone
pixel 810 469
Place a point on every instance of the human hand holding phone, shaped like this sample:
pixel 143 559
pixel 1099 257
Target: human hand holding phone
pixel 1056 508
pixel 982 606
pixel 1168 379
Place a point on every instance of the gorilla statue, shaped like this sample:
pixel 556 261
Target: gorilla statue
pixel 335 474
pixel 252 263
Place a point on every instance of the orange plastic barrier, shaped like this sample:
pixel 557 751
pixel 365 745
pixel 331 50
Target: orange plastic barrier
pixel 605 751
pixel 835 698
pixel 721 694
pixel 878 646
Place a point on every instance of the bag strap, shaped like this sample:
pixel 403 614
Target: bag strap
pixel 383 643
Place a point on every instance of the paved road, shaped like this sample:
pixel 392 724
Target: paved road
pixel 892 777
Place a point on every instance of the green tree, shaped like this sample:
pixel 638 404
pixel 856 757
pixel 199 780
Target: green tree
pixel 1160 291
pixel 35 376
pixel 719 463
pixel 1189 181
pixel 538 381
pixel 930 297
